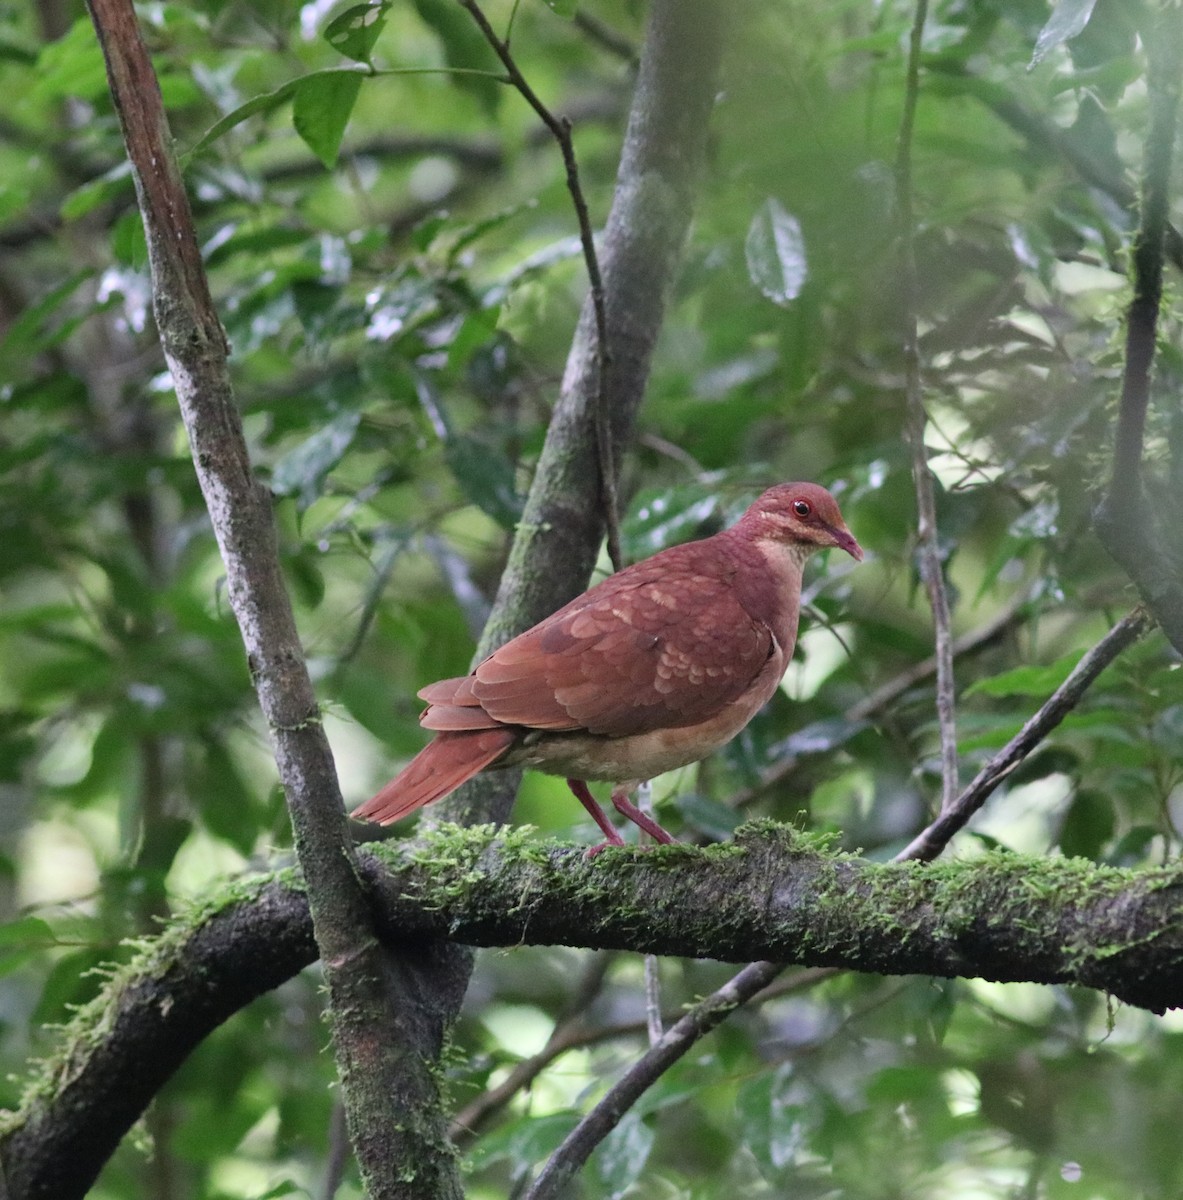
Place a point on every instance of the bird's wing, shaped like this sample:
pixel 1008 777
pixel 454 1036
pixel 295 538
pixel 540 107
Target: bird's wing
pixel 642 651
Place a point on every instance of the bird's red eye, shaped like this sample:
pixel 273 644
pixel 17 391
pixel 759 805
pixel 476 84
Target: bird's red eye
pixel 802 508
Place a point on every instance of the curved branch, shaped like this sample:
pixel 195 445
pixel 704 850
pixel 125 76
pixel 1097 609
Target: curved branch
pixel 384 1035
pixel 770 895
pixel 1138 535
pixel 560 130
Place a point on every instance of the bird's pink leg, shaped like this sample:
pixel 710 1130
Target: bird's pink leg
pixel 584 796
pixel 627 808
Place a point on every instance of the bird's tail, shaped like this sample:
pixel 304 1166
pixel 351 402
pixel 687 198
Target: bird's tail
pixel 439 768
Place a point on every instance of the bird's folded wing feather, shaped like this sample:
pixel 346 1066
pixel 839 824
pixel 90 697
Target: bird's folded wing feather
pixel 642 651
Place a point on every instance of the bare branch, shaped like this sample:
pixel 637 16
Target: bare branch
pixel 928 547
pixel 577 1146
pixel 384 1075
pixel 560 129
pixel 1163 83
pixel 927 845
pixel 603 35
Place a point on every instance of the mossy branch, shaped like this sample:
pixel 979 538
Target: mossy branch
pixel 771 894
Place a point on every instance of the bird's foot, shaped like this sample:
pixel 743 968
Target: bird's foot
pixel 625 807
pixel 584 796
pixel 592 851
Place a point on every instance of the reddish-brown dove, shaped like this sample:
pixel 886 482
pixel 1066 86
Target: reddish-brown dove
pixel 654 668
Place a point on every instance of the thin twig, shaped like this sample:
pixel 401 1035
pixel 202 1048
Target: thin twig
pixel 606 36
pixel 603 1118
pixel 887 694
pixel 928 550
pixel 560 128
pixel 570 1032
pixel 652 968
pixel 338 1155
pixel 927 845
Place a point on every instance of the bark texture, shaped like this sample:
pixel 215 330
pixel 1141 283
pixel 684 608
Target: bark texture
pixel 769 895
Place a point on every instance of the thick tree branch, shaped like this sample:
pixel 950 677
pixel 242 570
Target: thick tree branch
pixel 772 895
pixel 1139 535
pixel 384 1042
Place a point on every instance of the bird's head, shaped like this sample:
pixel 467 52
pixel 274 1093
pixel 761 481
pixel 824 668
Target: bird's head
pixel 801 515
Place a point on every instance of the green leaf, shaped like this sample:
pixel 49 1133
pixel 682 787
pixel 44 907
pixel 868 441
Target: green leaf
pixel 71 67
pixel 355 31
pixel 663 517
pixel 564 8
pixel 774 1120
pixel 775 253
pixel 322 108
pixel 524 1142
pixel 707 815
pixel 621 1156
pixel 820 737
pixel 229 808
pixel 109 186
pixel 465 47
pixel 257 104
pixel 486 477
pixel 1067 20
pixel 1088 824
pixel 23 939
pixel 1026 681
pixel 302 471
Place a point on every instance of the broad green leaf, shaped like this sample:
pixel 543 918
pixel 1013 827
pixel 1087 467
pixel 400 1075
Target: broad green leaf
pixel 775 253
pixel 301 472
pixel 621 1156
pixel 72 66
pixel 228 806
pixel 111 184
pixel 464 47
pixel 659 518
pixel 774 1119
pixel 1026 681
pixel 20 940
pixel 257 104
pixel 321 110
pixel 525 1141
pixel 1088 824
pixel 820 737
pixel 486 477
pixel 1067 20
pixel 354 32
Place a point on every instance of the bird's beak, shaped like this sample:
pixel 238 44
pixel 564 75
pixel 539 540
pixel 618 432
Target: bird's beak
pixel 845 539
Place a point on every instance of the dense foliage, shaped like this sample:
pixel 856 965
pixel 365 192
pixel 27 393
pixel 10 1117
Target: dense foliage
pixel 395 259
